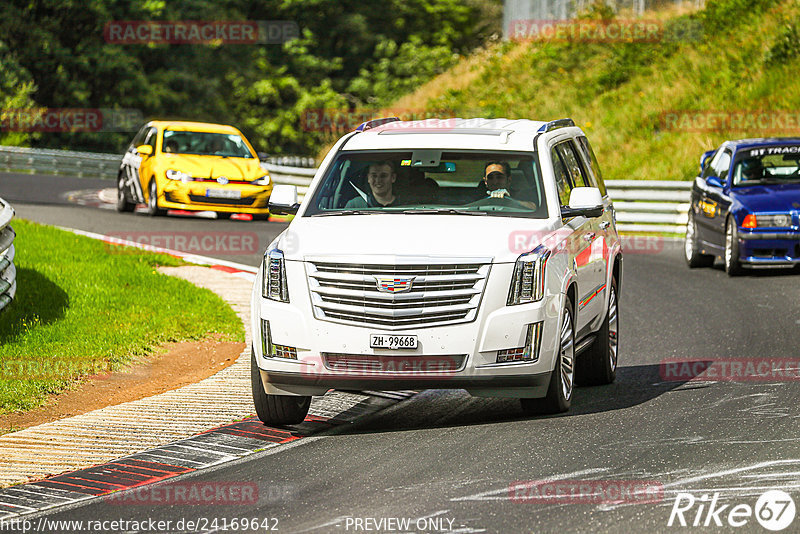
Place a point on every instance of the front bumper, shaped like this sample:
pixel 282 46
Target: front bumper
pixel 192 196
pixel 473 344
pixel 769 248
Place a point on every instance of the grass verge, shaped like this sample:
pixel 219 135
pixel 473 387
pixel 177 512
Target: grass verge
pixel 81 308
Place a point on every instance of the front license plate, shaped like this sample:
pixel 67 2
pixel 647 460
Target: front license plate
pixel 384 341
pixel 223 193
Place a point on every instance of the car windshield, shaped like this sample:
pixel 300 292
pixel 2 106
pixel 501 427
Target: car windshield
pixel 205 144
pixel 767 165
pixel 432 181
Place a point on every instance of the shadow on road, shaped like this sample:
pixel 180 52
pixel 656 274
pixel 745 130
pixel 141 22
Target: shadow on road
pixel 454 408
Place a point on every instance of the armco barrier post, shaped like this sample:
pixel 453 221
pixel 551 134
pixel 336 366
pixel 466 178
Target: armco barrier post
pixel 8 273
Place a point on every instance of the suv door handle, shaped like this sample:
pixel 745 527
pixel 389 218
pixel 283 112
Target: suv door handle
pixel 589 236
pixel 604 225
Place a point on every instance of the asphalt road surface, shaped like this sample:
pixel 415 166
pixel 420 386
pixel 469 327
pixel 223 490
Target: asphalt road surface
pixel 443 461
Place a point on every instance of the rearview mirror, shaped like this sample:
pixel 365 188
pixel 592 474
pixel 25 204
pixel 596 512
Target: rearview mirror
pixel 713 180
pixel 444 166
pixel 584 201
pixel 144 150
pixel 283 200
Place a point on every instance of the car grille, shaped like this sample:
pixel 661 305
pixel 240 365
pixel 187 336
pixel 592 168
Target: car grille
pixel 440 293
pixel 409 364
pixel 246 201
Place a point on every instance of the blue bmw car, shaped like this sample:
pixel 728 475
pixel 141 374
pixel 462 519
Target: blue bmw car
pixel 745 206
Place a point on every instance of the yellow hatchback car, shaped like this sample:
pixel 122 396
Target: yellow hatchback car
pixel 193 166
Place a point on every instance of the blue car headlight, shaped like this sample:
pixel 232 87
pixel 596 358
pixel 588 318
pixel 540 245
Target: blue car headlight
pixel 776 220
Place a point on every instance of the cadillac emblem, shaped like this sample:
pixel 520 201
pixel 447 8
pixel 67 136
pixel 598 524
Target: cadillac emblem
pixel 394 285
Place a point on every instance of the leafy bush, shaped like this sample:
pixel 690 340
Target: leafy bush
pixel 786 46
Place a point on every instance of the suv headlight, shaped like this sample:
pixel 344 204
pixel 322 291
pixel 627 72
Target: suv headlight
pixel 527 284
pixel 178 175
pixel 274 272
pixel 264 180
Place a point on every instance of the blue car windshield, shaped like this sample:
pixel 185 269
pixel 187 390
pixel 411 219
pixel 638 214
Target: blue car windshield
pixel 767 165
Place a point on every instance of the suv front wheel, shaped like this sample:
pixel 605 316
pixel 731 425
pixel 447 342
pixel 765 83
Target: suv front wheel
pixel 562 379
pixel 275 410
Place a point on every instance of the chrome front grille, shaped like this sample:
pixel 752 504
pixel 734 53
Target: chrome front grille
pixel 379 364
pixel 439 293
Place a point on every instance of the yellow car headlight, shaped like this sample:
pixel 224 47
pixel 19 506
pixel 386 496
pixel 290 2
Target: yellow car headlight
pixel 264 180
pixel 178 175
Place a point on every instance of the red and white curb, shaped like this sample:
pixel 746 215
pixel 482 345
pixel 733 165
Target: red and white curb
pixel 214 447
pixel 238 269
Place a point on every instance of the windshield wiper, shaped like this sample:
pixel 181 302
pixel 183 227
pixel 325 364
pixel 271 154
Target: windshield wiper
pixel 445 211
pixel 344 212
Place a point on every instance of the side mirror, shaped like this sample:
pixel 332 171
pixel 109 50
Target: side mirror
pixel 713 180
pixel 704 159
pixel 144 150
pixel 585 201
pixel 283 200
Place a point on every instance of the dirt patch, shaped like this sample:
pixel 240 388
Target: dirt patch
pixel 177 365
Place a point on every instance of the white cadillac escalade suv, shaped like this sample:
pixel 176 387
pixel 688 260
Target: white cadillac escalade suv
pixel 455 253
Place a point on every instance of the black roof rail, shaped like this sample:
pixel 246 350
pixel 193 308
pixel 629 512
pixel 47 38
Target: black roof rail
pixel 555 125
pixel 374 123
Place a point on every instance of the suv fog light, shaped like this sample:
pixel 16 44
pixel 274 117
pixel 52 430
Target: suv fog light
pixel 528 353
pixel 283 351
pixel 271 350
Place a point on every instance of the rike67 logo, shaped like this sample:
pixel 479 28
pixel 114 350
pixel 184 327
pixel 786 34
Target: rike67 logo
pixel 774 510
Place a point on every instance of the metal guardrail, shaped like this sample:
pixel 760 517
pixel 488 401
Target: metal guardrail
pixel 8 273
pixel 650 206
pixel 642 206
pixel 106 166
pixel 82 164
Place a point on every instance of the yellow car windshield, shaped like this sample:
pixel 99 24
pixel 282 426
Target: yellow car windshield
pixel 205 144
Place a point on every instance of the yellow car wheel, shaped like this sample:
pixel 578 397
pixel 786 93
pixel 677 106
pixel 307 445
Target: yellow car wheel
pixel 152 200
